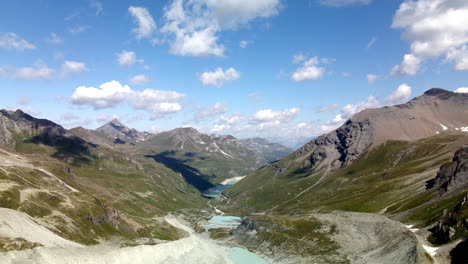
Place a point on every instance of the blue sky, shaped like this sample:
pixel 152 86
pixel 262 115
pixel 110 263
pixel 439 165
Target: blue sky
pixel 272 68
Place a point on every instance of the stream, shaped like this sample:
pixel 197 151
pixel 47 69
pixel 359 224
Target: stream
pixel 196 248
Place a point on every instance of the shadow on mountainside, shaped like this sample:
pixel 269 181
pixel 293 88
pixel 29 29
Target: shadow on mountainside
pixel 66 146
pixel 192 175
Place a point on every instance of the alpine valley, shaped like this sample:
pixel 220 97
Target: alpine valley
pixel 388 186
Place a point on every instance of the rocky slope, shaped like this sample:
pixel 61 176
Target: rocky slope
pixel 337 237
pixel 436 111
pixel 266 151
pixel 121 133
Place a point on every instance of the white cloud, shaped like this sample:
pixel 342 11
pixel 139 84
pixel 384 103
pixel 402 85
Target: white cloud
pixel 139 79
pixel 77 30
pixel 244 43
pixel 351 109
pixel 460 57
pixel 409 66
pixel 11 41
pixel 38 71
pixel 54 38
pixel 268 115
pixel 73 67
pixel 203 113
pixel 462 90
pixel 107 95
pixel 400 95
pixel 219 77
pixel 340 3
pixel 97 6
pixel 195 24
pixel 146 24
pixel 309 71
pixel 127 58
pixel 434 28
pixel 104 118
pixel 158 103
pixel 298 58
pixel 372 78
pixel 327 108
pixel 371 42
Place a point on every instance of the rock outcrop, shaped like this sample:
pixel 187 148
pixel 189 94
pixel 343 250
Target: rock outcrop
pixel 452 175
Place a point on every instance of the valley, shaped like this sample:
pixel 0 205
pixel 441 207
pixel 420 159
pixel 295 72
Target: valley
pixel 373 191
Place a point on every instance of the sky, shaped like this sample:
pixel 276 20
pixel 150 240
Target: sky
pixel 278 69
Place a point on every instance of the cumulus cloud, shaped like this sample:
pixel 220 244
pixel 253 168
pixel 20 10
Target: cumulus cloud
pixel 401 94
pixel 409 66
pixel 11 41
pixel 107 95
pixel 73 67
pixel 54 38
pixel 158 103
pixel 203 113
pixel 372 78
pixel 310 70
pixel 127 58
pixel 268 115
pixel 219 77
pixel 38 71
pixel 195 25
pixel 434 28
pixel 144 20
pixel 139 79
pixel 341 3
pixel 351 109
pixel 462 90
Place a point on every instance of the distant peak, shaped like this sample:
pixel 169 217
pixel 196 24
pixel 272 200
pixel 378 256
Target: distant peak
pixel 115 121
pixel 436 91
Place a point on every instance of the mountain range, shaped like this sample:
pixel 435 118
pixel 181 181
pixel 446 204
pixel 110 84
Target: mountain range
pixel 385 167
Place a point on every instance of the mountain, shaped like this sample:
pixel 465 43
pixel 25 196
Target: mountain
pixel 23 132
pixel 82 191
pixel 121 133
pixel 211 158
pixel 266 151
pixel 406 162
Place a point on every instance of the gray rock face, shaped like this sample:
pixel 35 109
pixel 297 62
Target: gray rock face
pixel 338 148
pixel 453 175
pixel 117 130
pixel 436 111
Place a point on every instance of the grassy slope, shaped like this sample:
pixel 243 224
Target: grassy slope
pixel 392 175
pixel 138 188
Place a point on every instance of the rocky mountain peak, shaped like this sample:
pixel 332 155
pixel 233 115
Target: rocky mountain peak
pixel 436 111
